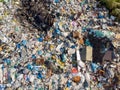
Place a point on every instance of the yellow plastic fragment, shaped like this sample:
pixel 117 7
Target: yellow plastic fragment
pixel 60 63
pixel 6 13
pixel 68 1
pixel 51 47
pixel 17 2
pixel 66 88
pixel 0 48
pixel 53 57
pixel 44 66
pixel 1 17
pixel 60 23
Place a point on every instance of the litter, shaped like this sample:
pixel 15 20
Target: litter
pixel 58 45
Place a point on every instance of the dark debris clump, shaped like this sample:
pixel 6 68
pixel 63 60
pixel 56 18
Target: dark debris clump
pixel 35 13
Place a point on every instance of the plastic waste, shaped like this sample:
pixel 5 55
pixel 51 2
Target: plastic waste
pixel 52 60
pixel 94 67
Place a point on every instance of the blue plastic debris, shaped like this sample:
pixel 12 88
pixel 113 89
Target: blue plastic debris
pixel 66 44
pixel 87 42
pixel 100 16
pixel 73 46
pixel 2 87
pixel 6 60
pixel 57 31
pixel 63 57
pixel 18 46
pixel 84 29
pixel 59 41
pixel 29 66
pixel 24 42
pixel 99 85
pixel 62 50
pixel 3 67
pixel 40 39
pixel 33 56
pixel 86 84
pixel 57 1
pixel 27 78
pixel 39 76
pixel 9 79
pixel 94 67
pixel 99 33
pixel 35 68
pixel 40 52
pixel 69 83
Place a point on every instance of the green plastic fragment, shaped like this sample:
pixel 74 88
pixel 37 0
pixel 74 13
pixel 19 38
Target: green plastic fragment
pixel 99 34
pixel 16 29
pixel 108 34
pixel 40 88
pixel 87 42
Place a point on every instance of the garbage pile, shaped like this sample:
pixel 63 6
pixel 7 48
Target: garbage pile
pixel 77 52
pixel 36 13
